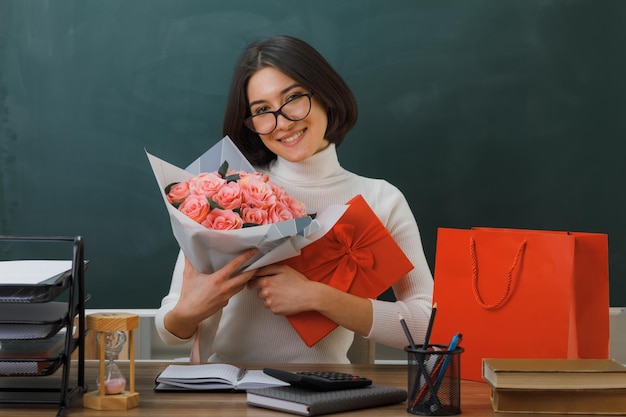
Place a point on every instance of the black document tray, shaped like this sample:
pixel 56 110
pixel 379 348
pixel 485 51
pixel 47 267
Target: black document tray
pixel 34 367
pixel 32 321
pixel 37 357
pixel 29 352
pixel 41 292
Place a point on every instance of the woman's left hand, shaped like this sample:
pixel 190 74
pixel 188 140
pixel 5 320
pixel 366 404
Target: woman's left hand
pixel 283 289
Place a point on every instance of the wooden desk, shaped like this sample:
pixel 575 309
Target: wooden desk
pixel 474 400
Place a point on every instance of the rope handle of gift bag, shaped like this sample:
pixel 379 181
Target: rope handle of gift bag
pixel 509 276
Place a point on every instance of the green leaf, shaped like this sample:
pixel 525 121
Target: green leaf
pixel 223 169
pixel 213 204
pixel 231 178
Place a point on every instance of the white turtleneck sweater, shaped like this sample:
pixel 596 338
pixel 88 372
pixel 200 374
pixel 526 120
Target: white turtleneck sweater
pixel 245 331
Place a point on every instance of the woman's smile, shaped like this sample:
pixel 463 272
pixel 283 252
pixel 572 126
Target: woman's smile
pixel 291 139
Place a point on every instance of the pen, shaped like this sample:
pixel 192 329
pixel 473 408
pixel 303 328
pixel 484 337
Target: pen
pixel 451 348
pixel 241 374
pixel 430 326
pixel 407 332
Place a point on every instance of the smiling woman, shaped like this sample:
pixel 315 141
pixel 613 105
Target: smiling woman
pixel 288 110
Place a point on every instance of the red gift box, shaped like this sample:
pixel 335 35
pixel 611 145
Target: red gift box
pixel 358 256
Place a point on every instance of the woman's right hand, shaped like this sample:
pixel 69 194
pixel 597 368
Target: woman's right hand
pixel 203 295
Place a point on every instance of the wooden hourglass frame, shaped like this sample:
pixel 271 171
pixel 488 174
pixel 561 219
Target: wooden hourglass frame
pixel 112 322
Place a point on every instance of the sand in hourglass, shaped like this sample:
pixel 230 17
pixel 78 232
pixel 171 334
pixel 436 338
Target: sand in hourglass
pixel 114 381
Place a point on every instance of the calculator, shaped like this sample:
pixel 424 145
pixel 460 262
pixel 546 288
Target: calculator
pixel 319 380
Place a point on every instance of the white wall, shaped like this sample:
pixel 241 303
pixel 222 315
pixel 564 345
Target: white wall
pixel 149 345
pixel 618 334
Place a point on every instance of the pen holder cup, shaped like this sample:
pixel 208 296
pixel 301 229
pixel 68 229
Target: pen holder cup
pixel 434 380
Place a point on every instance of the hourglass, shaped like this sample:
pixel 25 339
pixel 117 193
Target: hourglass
pixel 112 342
pixel 111 337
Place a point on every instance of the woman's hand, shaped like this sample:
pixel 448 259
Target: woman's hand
pixel 286 291
pixel 203 295
pixel 283 289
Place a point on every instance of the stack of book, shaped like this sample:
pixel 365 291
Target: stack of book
pixel 563 386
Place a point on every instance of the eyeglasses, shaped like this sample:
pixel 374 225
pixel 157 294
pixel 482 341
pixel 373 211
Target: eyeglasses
pixel 297 108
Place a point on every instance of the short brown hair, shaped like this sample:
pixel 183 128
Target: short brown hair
pixel 300 61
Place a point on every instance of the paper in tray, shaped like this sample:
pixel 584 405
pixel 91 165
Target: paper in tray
pixel 33 281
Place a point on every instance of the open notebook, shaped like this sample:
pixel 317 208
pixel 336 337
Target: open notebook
pixel 213 377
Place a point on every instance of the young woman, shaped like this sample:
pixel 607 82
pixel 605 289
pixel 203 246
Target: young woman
pixel 287 111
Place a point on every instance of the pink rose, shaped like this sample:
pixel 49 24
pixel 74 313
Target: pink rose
pixel 278 191
pixel 280 212
pixel 297 208
pixel 254 215
pixel 229 196
pixel 196 207
pixel 177 193
pixel 257 193
pixel 222 220
pixel 206 184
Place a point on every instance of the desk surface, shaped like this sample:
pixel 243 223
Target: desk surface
pixel 474 400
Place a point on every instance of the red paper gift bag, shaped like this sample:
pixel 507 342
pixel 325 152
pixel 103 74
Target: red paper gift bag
pixel 521 294
pixel 358 255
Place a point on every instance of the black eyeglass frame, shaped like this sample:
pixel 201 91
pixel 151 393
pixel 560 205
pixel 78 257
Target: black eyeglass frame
pixel 248 121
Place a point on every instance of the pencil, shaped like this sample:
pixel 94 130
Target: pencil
pixel 430 383
pixel 430 326
pixel 407 332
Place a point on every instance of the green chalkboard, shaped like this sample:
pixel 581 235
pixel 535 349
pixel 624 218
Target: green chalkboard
pixel 484 113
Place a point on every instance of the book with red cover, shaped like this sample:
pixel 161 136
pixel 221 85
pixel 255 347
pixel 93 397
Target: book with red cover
pixel 358 255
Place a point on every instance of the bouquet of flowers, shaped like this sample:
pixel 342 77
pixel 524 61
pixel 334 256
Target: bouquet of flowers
pixel 219 206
